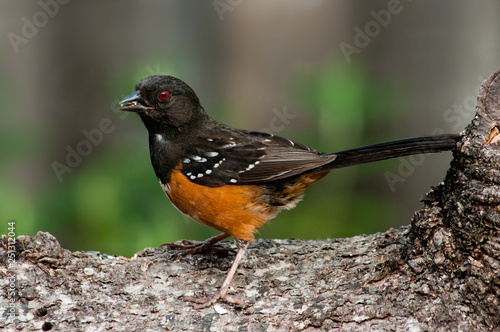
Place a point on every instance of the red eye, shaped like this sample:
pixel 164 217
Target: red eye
pixel 163 95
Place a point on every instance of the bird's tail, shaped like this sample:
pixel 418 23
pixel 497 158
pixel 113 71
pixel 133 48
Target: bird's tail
pixel 393 149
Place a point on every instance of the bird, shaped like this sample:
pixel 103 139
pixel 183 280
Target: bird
pixel 236 180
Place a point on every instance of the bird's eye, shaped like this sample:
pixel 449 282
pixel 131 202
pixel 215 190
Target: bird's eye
pixel 163 95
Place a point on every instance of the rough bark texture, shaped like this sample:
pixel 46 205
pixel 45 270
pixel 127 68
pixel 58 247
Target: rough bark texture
pixel 440 274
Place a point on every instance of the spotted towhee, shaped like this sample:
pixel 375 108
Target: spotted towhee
pixel 236 180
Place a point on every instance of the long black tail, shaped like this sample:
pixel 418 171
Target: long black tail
pixel 393 149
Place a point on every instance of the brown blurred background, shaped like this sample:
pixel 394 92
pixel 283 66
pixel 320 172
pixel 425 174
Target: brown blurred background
pixel 330 74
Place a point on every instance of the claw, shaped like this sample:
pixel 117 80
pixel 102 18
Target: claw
pixel 209 300
pixel 208 245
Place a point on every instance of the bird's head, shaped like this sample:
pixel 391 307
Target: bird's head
pixel 164 101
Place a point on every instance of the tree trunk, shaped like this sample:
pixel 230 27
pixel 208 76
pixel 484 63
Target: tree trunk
pixel 440 274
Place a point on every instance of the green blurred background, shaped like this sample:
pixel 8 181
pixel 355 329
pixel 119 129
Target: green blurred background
pixel 65 66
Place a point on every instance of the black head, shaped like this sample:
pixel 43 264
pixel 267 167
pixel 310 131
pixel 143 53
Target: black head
pixel 164 102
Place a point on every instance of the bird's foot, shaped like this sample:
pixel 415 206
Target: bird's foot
pixel 188 247
pixel 204 302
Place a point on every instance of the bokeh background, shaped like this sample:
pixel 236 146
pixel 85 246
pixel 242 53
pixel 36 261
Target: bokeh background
pixel 346 73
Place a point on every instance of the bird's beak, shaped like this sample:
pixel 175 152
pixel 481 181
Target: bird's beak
pixel 134 103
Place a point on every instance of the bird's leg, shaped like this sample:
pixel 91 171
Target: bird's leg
pixel 190 248
pixel 222 292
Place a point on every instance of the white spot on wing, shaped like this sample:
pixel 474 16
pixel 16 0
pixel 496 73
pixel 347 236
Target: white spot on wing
pixel 248 168
pixel 212 154
pixel 186 160
pixel 220 162
pixel 233 180
pixel 199 159
pixel 208 171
